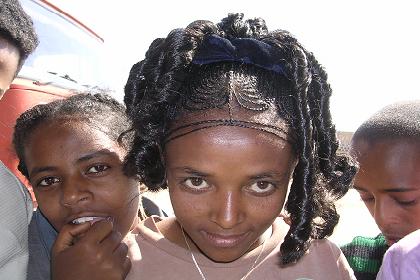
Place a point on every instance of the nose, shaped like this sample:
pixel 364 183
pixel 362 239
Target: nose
pixel 383 214
pixel 74 191
pixel 227 209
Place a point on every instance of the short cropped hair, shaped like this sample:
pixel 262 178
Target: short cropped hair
pixel 17 27
pixel 398 120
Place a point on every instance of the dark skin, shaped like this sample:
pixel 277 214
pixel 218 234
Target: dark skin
pixel 389 184
pixel 226 189
pixel 9 61
pixel 104 254
pixel 89 182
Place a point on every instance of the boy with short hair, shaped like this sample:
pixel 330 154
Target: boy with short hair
pixel 387 147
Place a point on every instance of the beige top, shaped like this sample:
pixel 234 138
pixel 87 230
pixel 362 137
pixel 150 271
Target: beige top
pixel 155 257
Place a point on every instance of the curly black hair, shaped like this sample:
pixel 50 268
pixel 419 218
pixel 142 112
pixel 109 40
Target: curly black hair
pixel 397 120
pixel 100 110
pixel 17 27
pixel 159 86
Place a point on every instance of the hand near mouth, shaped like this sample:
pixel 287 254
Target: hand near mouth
pixel 98 253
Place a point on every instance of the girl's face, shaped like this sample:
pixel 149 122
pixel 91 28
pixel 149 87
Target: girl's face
pixel 227 186
pixel 76 171
pixel 389 184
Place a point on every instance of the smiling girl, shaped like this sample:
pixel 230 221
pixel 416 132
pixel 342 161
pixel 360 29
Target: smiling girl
pixel 234 120
pixel 72 154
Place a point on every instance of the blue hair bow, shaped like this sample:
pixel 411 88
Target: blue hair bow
pixel 244 50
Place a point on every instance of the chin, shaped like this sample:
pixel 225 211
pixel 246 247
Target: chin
pixel 223 258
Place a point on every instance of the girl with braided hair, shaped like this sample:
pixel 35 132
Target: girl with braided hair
pixel 232 119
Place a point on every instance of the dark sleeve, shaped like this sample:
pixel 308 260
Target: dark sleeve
pixel 39 262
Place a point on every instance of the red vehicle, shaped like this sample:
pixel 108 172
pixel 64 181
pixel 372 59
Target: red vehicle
pixel 68 59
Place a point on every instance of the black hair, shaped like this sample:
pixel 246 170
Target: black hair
pixel 397 120
pixel 100 110
pixel 158 86
pixel 17 27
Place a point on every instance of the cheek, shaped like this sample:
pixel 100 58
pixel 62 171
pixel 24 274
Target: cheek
pixel 267 209
pixel 187 205
pixel 125 196
pixel 412 217
pixel 49 205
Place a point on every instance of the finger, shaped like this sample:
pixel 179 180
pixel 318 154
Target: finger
pixel 98 232
pixel 67 236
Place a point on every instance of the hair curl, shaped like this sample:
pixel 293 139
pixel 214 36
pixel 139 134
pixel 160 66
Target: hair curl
pixel 158 86
pixel 17 27
pixel 99 110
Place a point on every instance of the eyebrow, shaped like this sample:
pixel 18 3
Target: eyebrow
pixel 253 177
pixel 269 175
pixel 103 152
pixel 393 190
pixel 192 171
pixel 37 170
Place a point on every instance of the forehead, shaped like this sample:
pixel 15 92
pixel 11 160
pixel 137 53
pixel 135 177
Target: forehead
pixel 388 162
pixel 229 143
pixel 232 115
pixel 69 136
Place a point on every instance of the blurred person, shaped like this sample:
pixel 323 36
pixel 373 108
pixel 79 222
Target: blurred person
pixel 17 40
pixel 387 147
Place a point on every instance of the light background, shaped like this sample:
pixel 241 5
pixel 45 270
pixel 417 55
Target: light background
pixel 369 48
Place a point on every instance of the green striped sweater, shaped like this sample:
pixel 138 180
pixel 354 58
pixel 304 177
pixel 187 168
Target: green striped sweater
pixel 365 255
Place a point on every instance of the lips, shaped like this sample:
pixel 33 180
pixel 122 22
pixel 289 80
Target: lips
pixel 224 241
pixel 86 217
pixel 90 219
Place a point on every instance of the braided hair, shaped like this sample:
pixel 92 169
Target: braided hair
pixel 99 110
pixel 166 82
pixel 17 27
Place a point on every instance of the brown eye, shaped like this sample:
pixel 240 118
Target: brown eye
pixel 97 168
pixel 48 181
pixel 196 183
pixel 262 187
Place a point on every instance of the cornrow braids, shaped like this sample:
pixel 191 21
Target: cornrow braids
pixel 17 27
pixel 166 84
pixel 98 109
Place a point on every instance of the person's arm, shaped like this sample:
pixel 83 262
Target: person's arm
pixel 98 253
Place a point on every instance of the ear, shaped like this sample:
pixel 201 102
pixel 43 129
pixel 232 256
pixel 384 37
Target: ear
pixel 142 188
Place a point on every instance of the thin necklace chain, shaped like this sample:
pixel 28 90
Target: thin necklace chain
pixel 201 272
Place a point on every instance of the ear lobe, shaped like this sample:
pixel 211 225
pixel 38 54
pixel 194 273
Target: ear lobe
pixel 142 188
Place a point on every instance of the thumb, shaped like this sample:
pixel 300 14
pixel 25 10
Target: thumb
pixel 67 236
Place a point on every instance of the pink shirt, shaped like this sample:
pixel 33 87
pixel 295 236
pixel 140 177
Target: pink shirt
pixel 154 257
pixel 402 259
